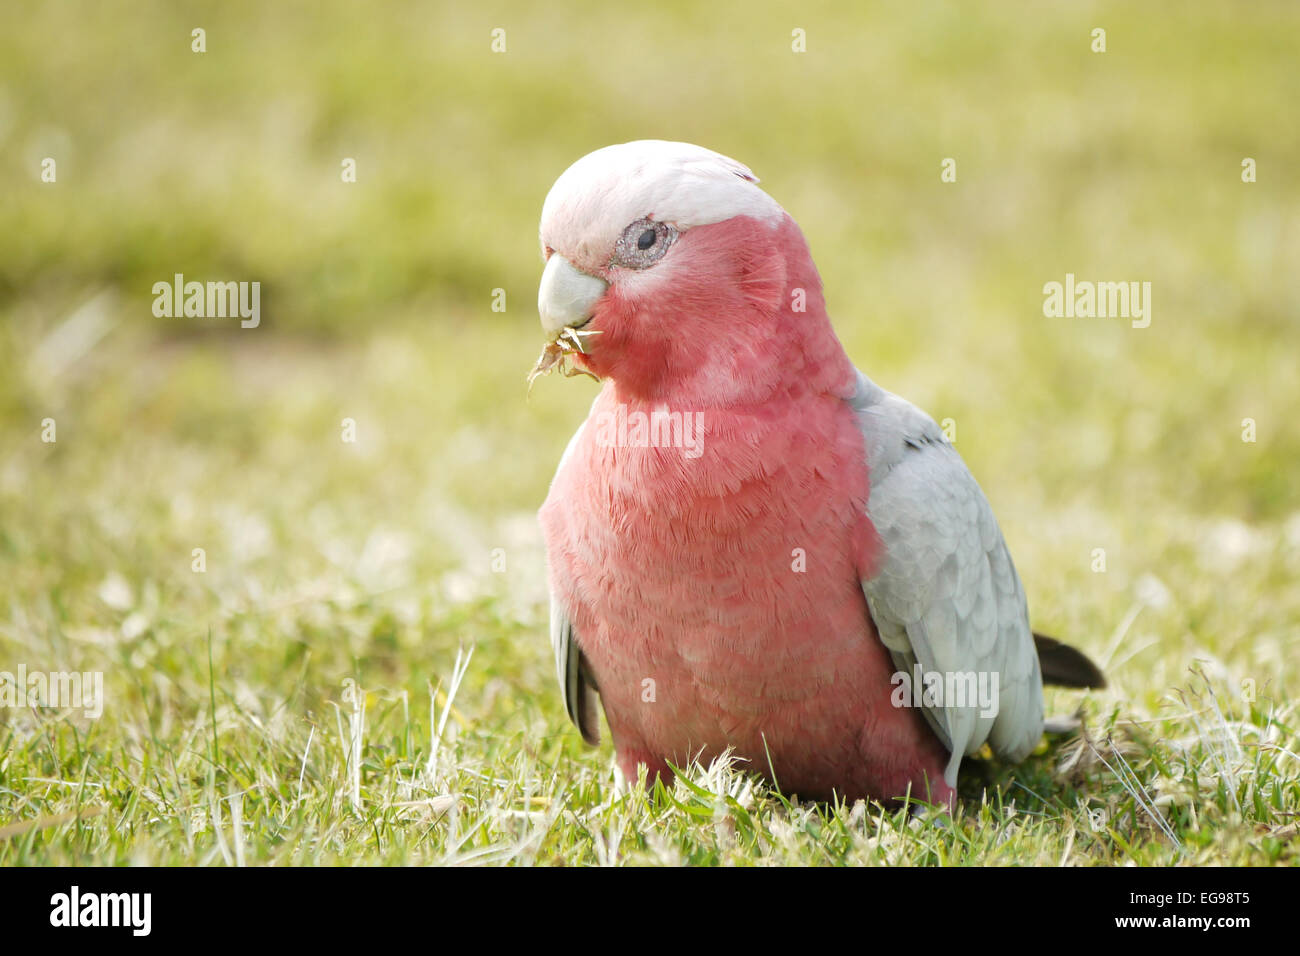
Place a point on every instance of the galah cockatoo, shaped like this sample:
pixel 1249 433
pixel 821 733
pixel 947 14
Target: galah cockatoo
pixel 750 544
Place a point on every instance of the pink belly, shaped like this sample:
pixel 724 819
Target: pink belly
pixel 718 603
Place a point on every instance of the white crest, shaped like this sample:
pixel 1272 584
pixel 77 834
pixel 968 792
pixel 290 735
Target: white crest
pixel 597 197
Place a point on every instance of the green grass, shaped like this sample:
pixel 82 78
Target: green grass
pixel 230 716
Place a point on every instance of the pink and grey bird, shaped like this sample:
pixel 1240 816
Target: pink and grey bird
pixel 759 586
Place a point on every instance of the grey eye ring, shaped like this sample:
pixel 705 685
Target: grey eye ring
pixel 643 243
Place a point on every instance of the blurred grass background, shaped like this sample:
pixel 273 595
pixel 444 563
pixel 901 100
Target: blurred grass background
pixel 373 560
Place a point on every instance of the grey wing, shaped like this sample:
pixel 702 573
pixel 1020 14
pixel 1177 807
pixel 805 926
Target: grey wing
pixel 946 597
pixel 577 687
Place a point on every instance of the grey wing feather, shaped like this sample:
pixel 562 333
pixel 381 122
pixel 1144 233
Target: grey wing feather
pixel 946 597
pixel 577 687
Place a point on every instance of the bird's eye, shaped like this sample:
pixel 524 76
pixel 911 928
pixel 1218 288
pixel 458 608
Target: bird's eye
pixel 643 243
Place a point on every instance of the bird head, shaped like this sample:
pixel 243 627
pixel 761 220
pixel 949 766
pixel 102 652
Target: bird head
pixel 671 273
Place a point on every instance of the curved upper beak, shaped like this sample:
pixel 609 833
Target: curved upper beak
pixel 566 296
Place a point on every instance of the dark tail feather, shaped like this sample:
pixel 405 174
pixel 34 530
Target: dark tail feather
pixel 1063 666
